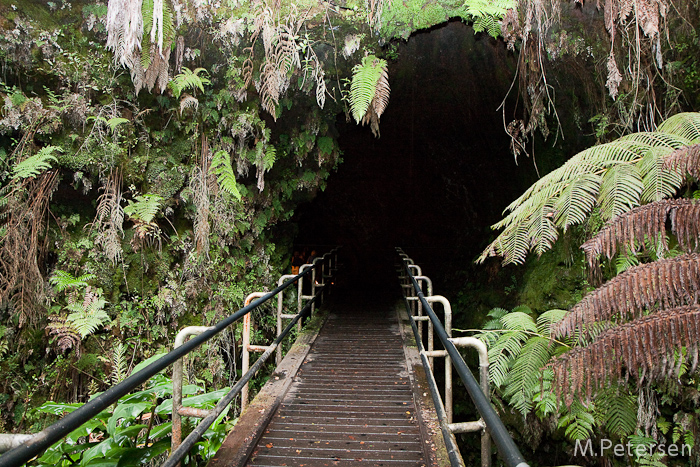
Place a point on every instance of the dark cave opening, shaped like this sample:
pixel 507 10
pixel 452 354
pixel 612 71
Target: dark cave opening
pixel 440 174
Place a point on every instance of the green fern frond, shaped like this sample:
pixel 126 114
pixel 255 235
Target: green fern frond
pixel 118 363
pixel 686 125
pixel 620 190
pixel 363 87
pixel 34 165
pixel 62 280
pixel 187 80
pixel 145 208
pixel 89 315
pixel 490 24
pixel 658 140
pixel 541 229
pixel 495 322
pixel 549 318
pixel 577 200
pixel 519 321
pixel 221 166
pixel 502 353
pixel 522 309
pixel 492 8
pixel 270 157
pixel 617 411
pixel 658 182
pixel 87 324
pixel 591 160
pixel 524 376
pixel 578 422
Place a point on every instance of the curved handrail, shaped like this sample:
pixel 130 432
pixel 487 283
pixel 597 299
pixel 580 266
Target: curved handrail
pixel 506 446
pixel 53 433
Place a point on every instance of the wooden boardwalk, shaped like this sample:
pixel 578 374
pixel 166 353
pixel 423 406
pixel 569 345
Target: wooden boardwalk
pixel 352 401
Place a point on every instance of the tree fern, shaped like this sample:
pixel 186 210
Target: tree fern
pixel 35 165
pixel 620 190
pixel 519 321
pixel 686 125
pixel 616 176
pixel 364 86
pixel 541 229
pixel 221 166
pixel 577 200
pixel 548 319
pixel 502 353
pixel 658 181
pixel 524 375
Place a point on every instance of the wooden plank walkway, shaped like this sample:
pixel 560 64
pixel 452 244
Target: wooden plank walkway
pixel 350 392
pixel 351 402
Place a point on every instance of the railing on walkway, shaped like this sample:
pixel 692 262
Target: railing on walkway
pixel 319 274
pixel 489 424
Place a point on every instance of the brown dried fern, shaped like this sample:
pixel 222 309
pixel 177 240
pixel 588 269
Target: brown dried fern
pixel 647 222
pixel 666 283
pixel 199 184
pixel 109 219
pixel 67 337
pixel 684 161
pixel 21 246
pixel 646 350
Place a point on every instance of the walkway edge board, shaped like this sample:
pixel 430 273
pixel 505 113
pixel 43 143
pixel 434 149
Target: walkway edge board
pixel 435 449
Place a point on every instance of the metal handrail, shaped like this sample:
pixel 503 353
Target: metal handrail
pixel 504 442
pixel 48 436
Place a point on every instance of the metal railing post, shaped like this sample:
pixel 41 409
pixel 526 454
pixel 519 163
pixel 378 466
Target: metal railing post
pixel 280 315
pixel 448 363
pixel 300 286
pixel 180 339
pixel 484 383
pixel 245 358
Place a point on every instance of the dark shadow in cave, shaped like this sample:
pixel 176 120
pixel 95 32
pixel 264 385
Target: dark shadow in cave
pixel 440 174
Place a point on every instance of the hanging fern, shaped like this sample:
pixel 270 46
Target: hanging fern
pixel 35 165
pixel 369 88
pixel 221 166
